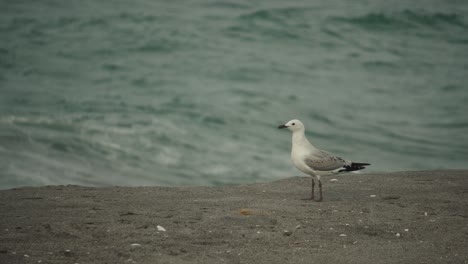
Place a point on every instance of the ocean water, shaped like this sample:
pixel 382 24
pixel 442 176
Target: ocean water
pixel 143 92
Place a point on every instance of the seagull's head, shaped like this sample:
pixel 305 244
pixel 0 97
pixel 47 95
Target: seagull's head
pixel 293 125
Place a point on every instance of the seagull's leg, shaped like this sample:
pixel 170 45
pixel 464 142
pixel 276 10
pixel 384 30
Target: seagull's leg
pixel 313 187
pixel 320 189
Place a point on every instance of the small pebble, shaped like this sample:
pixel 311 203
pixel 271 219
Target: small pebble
pixel 246 212
pixel 334 180
pixel 406 230
pixel 135 245
pixel 425 213
pixel 287 233
pixel 373 195
pixel 160 228
pixel 343 235
pixel 397 234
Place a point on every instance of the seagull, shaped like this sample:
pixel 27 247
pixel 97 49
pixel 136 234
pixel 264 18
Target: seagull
pixel 314 161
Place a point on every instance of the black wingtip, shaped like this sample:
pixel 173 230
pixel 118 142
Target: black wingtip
pixel 359 164
pixel 355 166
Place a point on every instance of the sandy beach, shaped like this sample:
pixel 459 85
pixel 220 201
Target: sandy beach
pixel 404 217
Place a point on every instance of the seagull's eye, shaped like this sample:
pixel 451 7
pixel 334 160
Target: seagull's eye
pixel 293 124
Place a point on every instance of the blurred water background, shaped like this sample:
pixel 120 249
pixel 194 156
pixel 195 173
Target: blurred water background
pixel 144 92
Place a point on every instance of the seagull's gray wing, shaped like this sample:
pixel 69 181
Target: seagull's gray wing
pixel 324 161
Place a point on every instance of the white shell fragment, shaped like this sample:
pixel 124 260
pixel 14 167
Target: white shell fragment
pixel 160 228
pixel 135 245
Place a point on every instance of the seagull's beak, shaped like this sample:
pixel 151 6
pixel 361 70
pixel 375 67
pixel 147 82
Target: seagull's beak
pixel 283 126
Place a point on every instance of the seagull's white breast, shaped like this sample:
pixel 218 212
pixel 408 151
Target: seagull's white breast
pixel 298 156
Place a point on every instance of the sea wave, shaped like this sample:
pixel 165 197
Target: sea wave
pixel 158 93
pixel 404 20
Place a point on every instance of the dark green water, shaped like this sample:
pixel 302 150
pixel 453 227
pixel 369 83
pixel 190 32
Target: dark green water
pixel 191 92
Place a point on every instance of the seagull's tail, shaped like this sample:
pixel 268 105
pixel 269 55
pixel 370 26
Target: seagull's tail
pixel 354 166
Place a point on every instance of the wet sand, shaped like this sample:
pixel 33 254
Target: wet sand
pixel 405 217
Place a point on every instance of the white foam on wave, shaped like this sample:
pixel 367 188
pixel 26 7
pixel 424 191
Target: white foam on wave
pixel 217 169
pixel 168 156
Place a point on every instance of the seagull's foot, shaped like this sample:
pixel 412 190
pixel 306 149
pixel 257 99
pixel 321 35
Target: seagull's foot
pixel 308 199
pixel 319 200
